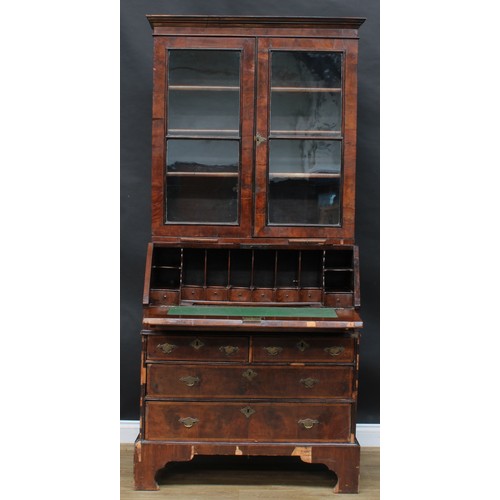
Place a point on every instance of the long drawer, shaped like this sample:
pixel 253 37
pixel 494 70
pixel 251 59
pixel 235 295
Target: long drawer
pixel 197 348
pixel 242 421
pixel 223 381
pixel 303 349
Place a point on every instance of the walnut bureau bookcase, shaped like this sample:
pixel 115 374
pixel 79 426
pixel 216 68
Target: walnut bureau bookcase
pixel 250 333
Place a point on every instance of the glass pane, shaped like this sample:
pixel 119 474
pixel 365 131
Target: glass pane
pixel 202 199
pixel 309 201
pixel 204 67
pixel 305 112
pixel 304 156
pixel 203 112
pixel 306 92
pixel 203 92
pixel 191 155
pixel 307 69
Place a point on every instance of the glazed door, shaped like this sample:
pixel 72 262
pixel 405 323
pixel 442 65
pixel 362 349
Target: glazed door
pixel 305 138
pixel 203 119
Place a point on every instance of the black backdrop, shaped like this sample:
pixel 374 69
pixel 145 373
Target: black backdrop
pixel 136 87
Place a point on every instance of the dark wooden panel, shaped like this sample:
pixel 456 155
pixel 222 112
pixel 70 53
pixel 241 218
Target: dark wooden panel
pixel 216 381
pixel 227 422
pixel 196 348
pixel 303 349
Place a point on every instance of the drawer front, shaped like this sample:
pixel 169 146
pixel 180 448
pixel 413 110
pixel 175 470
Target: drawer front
pixel 246 420
pixel 240 295
pixel 192 293
pixel 263 295
pixel 310 295
pixel 163 297
pixel 197 348
pixel 216 293
pixel 303 349
pixel 287 295
pixel 219 381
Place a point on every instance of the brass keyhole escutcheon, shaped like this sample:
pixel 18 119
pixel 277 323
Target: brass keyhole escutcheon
pixel 308 423
pixel 197 344
pixel 335 350
pixel 302 345
pixel 309 382
pixel 273 350
pixel 190 381
pixel 188 421
pixel 166 348
pixel 247 411
pixel 249 374
pixel 228 350
pixel 259 139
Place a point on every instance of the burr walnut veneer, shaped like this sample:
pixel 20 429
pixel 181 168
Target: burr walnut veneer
pixel 250 334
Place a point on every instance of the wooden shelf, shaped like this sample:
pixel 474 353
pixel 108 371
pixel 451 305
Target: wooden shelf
pixel 191 133
pixel 335 134
pixel 219 88
pixel 202 174
pixel 306 89
pixel 303 175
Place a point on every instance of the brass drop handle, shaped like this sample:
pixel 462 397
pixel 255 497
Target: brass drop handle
pixel 249 374
pixel 309 382
pixel 308 423
pixel 190 381
pixel 188 421
pixel 229 350
pixel 166 348
pixel 273 350
pixel 335 350
pixel 259 139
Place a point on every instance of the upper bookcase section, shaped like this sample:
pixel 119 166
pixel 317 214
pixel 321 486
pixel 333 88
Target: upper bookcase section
pixel 254 128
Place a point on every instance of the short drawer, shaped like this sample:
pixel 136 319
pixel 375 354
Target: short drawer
pixel 287 295
pixel 303 349
pixel 214 293
pixel 197 348
pixel 163 297
pixel 240 294
pixel 248 421
pixel 219 381
pixel 263 295
pixel 192 293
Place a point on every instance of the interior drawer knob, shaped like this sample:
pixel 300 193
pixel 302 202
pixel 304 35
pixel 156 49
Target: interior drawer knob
pixel 308 423
pixel 229 350
pixel 335 350
pixel 273 350
pixel 166 348
pixel 309 382
pixel 249 374
pixel 188 421
pixel 190 381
